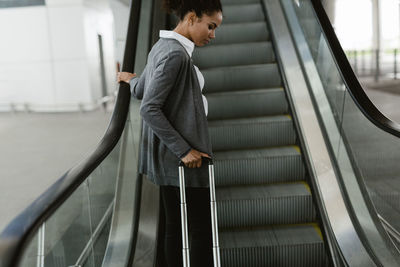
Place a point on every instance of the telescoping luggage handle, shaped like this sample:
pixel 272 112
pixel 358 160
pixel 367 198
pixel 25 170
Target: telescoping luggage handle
pixel 214 221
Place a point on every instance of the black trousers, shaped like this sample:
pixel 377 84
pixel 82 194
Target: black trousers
pixel 199 224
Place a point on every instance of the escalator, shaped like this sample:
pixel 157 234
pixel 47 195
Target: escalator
pixel 294 184
pixel 265 205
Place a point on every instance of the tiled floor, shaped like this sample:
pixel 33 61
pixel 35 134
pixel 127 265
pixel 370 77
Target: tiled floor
pixel 36 149
pixel 385 95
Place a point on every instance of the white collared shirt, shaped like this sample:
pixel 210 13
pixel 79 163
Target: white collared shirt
pixel 189 47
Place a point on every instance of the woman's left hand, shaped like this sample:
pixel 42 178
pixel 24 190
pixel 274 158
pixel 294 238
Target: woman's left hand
pixel 125 76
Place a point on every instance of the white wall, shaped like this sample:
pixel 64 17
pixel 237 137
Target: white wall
pixel 121 17
pixel 49 55
pixel 354 34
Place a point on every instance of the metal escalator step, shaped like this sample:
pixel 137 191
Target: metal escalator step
pixel 252 132
pixel 234 55
pixel 241 77
pixel 244 206
pixel 278 246
pixel 243 13
pixel 257 166
pixel 246 103
pixel 238 2
pixel 241 33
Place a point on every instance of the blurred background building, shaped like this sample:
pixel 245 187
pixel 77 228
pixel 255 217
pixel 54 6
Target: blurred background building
pixel 59 55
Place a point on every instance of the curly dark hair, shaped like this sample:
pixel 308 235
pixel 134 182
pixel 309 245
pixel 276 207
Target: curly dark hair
pixel 200 7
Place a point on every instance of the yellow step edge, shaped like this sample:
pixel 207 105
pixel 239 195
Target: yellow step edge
pixel 306 186
pixel 318 230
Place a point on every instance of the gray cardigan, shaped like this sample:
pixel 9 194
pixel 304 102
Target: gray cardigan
pixel 174 119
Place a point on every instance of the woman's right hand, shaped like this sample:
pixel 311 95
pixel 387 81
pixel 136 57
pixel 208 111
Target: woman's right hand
pixel 194 158
pixel 125 76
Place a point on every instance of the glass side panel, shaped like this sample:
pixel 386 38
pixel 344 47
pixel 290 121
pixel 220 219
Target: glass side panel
pixel 376 154
pixel 101 244
pixel 31 252
pixel 78 230
pixel 102 187
pixel 365 154
pixel 69 230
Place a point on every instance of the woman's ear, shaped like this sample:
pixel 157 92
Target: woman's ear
pixel 191 18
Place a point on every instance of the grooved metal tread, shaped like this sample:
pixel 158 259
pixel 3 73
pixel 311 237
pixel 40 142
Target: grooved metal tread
pixel 258 166
pixel 265 204
pixel 246 121
pixel 284 246
pixel 240 67
pixel 245 92
pixel 252 132
pixel 242 32
pixel 259 153
pixel 235 78
pixel 246 103
pixel 276 246
pixel 261 191
pixel 245 54
pixel 276 235
pixel 243 13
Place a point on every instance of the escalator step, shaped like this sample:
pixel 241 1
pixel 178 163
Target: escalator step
pixel 241 77
pixel 241 33
pixel 245 54
pixel 246 103
pixel 243 13
pixel 257 166
pixel 237 2
pixel 244 206
pixel 283 246
pixel 252 132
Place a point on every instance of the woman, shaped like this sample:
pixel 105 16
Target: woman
pixel 175 125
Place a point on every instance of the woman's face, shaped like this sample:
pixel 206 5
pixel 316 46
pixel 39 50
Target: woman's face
pixel 202 30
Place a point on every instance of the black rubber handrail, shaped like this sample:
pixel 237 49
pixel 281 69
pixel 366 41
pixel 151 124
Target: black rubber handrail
pixel 16 236
pixel 355 89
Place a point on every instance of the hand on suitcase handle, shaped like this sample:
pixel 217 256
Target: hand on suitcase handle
pixel 194 159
